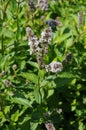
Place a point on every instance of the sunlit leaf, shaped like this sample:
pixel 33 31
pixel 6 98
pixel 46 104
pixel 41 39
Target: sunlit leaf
pixel 33 125
pixel 29 76
pixel 21 101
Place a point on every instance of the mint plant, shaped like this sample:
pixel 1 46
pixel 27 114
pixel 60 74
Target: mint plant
pixel 42 65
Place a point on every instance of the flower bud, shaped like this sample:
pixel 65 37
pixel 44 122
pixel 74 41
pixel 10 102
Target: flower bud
pixel 59 111
pixel 52 23
pixel 29 31
pixel 14 67
pixel 80 18
pixel 69 57
pixel 3 73
pixel 4 24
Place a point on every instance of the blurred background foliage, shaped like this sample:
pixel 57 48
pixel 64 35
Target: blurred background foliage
pixel 29 96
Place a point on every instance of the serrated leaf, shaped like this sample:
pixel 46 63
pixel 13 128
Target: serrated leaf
pixel 30 76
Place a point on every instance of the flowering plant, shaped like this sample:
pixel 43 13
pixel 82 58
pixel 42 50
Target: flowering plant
pixel 42 65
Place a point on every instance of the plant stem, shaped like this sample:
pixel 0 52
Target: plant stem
pixel 2 44
pixel 17 22
pixel 17 25
pixel 4 15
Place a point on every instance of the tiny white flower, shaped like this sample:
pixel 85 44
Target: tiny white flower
pixel 39 51
pixel 59 111
pixel 50 126
pixel 29 31
pixel 33 41
pixel 47 67
pixel 46 36
pixel 56 67
pixel 14 67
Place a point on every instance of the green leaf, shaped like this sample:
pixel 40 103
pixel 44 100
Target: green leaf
pixel 41 74
pixel 69 43
pixel 21 101
pixel 33 125
pixel 7 33
pixel 37 95
pixel 64 78
pixel 67 75
pixel 1 115
pixel 22 65
pixel 42 93
pixel 15 116
pixel 61 38
pixel 81 126
pixel 30 76
pixel 34 64
pixel 7 109
pixel 50 93
pixel 44 83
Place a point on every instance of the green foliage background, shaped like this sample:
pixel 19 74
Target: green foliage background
pixel 34 96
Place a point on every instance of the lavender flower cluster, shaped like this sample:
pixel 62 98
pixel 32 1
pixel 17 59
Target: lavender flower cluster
pixel 40 49
pixel 32 41
pixel 43 4
pixel 54 67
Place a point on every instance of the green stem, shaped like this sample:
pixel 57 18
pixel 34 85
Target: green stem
pixel 3 19
pixel 39 87
pixel 17 32
pixel 4 10
pixel 2 44
pixel 17 24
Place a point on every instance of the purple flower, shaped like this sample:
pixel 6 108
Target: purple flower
pixel 46 35
pixel 54 67
pixel 52 23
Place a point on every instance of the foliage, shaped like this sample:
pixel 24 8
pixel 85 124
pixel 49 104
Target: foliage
pixel 30 97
